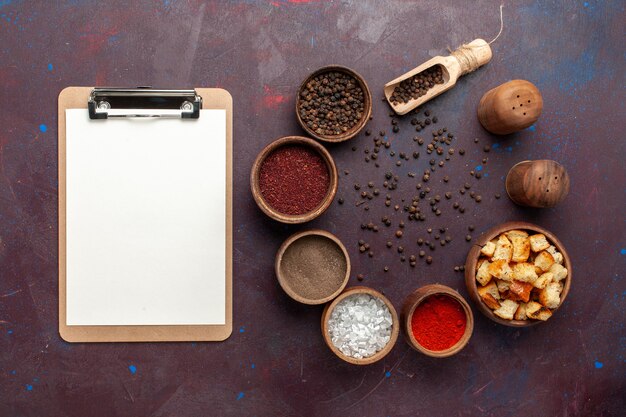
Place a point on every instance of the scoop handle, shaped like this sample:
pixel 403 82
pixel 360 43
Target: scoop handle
pixel 482 51
pixel 473 55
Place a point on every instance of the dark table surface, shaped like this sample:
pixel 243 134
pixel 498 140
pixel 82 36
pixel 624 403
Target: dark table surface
pixel 275 363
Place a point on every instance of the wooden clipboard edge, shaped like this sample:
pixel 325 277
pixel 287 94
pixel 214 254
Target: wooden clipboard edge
pixel 213 98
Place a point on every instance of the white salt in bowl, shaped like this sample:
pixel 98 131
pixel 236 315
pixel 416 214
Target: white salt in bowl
pixel 395 328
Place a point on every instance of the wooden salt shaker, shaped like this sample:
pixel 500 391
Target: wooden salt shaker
pixel 540 183
pixel 510 107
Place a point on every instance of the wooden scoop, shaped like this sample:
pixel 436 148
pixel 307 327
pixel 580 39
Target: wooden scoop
pixel 465 59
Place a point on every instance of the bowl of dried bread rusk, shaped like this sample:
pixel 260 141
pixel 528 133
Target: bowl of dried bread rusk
pixel 518 274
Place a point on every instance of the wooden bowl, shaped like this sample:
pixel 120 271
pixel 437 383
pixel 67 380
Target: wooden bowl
pixel 316 252
pixel 367 105
pixel 395 329
pixel 300 218
pixel 474 254
pixel 421 294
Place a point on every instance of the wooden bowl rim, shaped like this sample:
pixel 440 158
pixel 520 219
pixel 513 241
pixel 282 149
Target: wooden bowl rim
pixel 283 281
pixel 367 96
pixel 332 172
pixel 474 254
pixel 395 328
pixel 416 298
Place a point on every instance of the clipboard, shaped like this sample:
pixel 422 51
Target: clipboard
pixel 145 103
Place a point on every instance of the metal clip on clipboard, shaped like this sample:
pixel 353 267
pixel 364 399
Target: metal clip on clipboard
pixel 107 103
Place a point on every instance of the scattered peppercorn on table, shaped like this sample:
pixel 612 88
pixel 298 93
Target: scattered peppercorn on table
pixel 414 195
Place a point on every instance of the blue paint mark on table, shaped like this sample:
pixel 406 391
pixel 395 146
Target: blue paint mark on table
pixel 242 329
pixel 29 387
pixel 253 366
pixel 479 168
pixel 622 251
pixel 50 67
pixel 132 369
pixel 387 374
pixel 43 128
pixel 598 364
pixel 9 331
pixel 240 396
pixel 5 3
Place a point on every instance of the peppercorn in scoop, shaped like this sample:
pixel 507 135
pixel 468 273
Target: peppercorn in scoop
pixel 417 86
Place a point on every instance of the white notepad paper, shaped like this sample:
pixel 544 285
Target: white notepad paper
pixel 146 220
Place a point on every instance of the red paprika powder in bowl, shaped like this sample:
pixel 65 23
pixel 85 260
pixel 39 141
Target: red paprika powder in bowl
pixel 437 321
pixel 294 179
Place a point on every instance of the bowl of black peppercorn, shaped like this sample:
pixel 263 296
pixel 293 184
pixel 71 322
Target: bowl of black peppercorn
pixel 333 104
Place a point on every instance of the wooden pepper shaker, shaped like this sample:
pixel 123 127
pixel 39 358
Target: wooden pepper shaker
pixel 540 183
pixel 510 107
